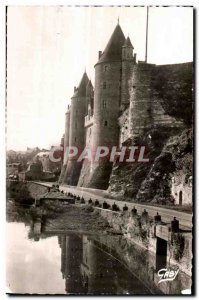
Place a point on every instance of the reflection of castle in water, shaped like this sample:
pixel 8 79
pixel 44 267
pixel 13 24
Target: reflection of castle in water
pixel 106 265
pixel 71 258
pixel 88 270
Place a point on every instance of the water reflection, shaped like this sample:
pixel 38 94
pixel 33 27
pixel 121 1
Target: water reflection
pixel 87 269
pixel 32 267
pixel 67 263
pixel 43 262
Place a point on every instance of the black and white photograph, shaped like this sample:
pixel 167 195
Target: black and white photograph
pixel 99 150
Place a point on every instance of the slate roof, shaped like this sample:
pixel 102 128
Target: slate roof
pixel 81 90
pixel 113 50
pixel 128 42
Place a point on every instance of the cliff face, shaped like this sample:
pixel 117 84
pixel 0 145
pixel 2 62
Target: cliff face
pixel 175 156
pixel 170 154
pixel 159 117
pixel 158 110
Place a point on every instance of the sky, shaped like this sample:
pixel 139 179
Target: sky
pixel 49 48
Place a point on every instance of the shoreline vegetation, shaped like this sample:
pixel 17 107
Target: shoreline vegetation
pixel 59 216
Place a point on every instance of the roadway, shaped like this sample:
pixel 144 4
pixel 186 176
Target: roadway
pixel 167 215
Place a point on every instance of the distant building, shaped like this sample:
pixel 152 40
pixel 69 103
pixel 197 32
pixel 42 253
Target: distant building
pixel 44 159
pixel 35 171
pixel 13 169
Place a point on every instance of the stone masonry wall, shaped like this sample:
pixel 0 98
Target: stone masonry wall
pixel 124 126
pixel 141 230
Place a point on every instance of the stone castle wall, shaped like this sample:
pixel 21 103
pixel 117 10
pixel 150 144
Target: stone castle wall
pixel 146 102
pixel 105 129
pixel 76 138
pixel 140 109
pixel 147 110
pixel 67 130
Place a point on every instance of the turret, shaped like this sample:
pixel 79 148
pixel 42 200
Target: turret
pixel 107 97
pixel 90 98
pixel 128 62
pixel 77 132
pixel 127 50
pixel 140 109
pixel 67 130
pixel 88 125
pixel 66 143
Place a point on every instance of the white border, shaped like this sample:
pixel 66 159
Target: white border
pixel 4 3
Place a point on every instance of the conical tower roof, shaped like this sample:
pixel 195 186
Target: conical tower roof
pixel 89 84
pixel 128 43
pixel 113 50
pixel 89 87
pixel 81 90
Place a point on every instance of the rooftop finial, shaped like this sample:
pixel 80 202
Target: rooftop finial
pixel 118 20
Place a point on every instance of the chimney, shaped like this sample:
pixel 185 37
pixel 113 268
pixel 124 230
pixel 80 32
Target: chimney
pixel 99 54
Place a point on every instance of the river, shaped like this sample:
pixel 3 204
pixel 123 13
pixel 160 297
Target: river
pixel 64 264
pixel 69 262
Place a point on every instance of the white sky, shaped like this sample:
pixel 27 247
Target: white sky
pixel 50 47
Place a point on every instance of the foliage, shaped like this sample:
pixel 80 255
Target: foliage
pixel 178 244
pixel 19 191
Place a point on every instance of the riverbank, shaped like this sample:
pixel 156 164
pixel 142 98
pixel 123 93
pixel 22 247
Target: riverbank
pixel 78 217
pixel 59 216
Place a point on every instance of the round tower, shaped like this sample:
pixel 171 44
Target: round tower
pixel 66 143
pixel 128 62
pixel 87 164
pixel 107 98
pixel 89 99
pixel 67 130
pixel 141 96
pixel 77 132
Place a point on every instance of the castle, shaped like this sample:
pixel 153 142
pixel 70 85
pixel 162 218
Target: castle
pixel 123 105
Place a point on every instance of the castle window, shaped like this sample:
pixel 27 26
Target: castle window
pixel 105 68
pixel 105 123
pixel 104 104
pixel 75 139
pixel 90 131
pixel 104 85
